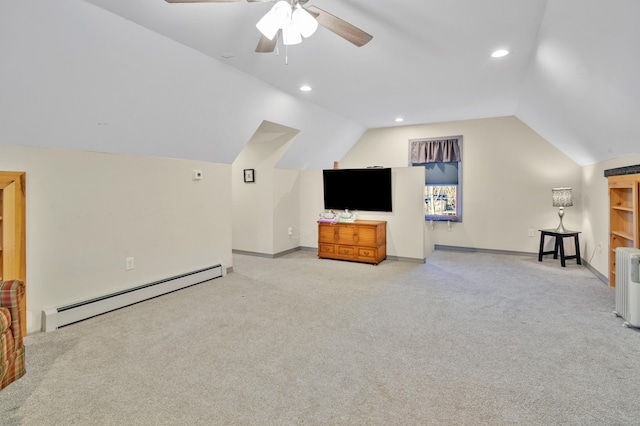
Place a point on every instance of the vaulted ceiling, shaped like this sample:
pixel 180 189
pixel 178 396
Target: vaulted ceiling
pixel 571 74
pixel 427 61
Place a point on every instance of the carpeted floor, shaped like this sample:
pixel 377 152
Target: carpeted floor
pixel 465 339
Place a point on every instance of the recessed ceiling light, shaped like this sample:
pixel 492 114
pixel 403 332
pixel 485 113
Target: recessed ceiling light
pixel 499 53
pixel 399 120
pixel 305 88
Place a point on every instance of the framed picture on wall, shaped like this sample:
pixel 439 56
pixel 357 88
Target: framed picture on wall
pixel 249 175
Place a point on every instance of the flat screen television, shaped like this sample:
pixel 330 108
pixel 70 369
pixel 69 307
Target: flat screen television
pixel 358 189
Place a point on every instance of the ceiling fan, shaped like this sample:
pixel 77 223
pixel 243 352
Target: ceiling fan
pixel 291 20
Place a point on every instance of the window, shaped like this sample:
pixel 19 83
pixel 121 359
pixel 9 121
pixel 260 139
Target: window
pixel 442 190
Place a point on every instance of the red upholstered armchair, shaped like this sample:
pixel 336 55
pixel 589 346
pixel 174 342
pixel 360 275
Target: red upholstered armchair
pixel 12 365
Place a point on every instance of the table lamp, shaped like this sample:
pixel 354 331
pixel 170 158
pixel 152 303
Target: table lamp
pixel 561 199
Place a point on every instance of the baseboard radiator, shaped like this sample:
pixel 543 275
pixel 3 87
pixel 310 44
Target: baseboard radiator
pixel 65 315
pixel 628 285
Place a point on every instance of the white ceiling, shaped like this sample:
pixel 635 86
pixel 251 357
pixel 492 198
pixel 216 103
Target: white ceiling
pixel 429 61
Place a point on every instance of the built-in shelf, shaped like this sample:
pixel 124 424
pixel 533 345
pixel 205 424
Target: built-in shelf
pixel 624 209
pixel 623 212
pixel 622 234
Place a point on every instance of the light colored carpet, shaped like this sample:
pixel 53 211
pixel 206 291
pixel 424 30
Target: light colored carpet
pixel 467 338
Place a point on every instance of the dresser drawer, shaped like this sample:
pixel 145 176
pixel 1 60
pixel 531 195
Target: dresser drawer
pixel 326 249
pixel 346 250
pixel 367 253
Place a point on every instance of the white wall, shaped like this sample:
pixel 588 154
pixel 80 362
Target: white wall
pixel 252 206
pixel 286 210
pixel 311 204
pixel 265 209
pixel 507 175
pixel 87 212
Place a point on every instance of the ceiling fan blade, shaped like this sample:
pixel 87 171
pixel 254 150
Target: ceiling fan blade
pixel 344 29
pixel 265 45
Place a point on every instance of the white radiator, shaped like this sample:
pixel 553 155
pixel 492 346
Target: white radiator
pixel 55 318
pixel 628 285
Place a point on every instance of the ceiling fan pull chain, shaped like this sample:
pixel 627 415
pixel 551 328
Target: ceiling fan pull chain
pixel 286 55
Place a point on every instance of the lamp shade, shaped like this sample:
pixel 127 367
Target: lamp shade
pixel 267 26
pixel 282 13
pixel 304 21
pixel 291 34
pixel 562 197
pixel 277 18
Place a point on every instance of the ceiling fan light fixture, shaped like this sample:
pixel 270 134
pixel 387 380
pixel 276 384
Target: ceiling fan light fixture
pixel 291 35
pixel 277 18
pixel 304 21
pixel 268 26
pixel 281 12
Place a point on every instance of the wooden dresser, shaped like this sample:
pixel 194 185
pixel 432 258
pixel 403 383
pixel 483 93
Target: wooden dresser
pixel 360 241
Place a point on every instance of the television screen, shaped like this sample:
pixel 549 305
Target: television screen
pixel 358 189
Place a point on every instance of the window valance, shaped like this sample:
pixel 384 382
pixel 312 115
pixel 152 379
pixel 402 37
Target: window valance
pixel 435 151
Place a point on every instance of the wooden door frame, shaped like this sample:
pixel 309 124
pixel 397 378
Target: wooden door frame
pixel 19 258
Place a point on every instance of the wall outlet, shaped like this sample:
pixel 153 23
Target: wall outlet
pixel 290 231
pixel 196 174
pixel 532 232
pixel 128 263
